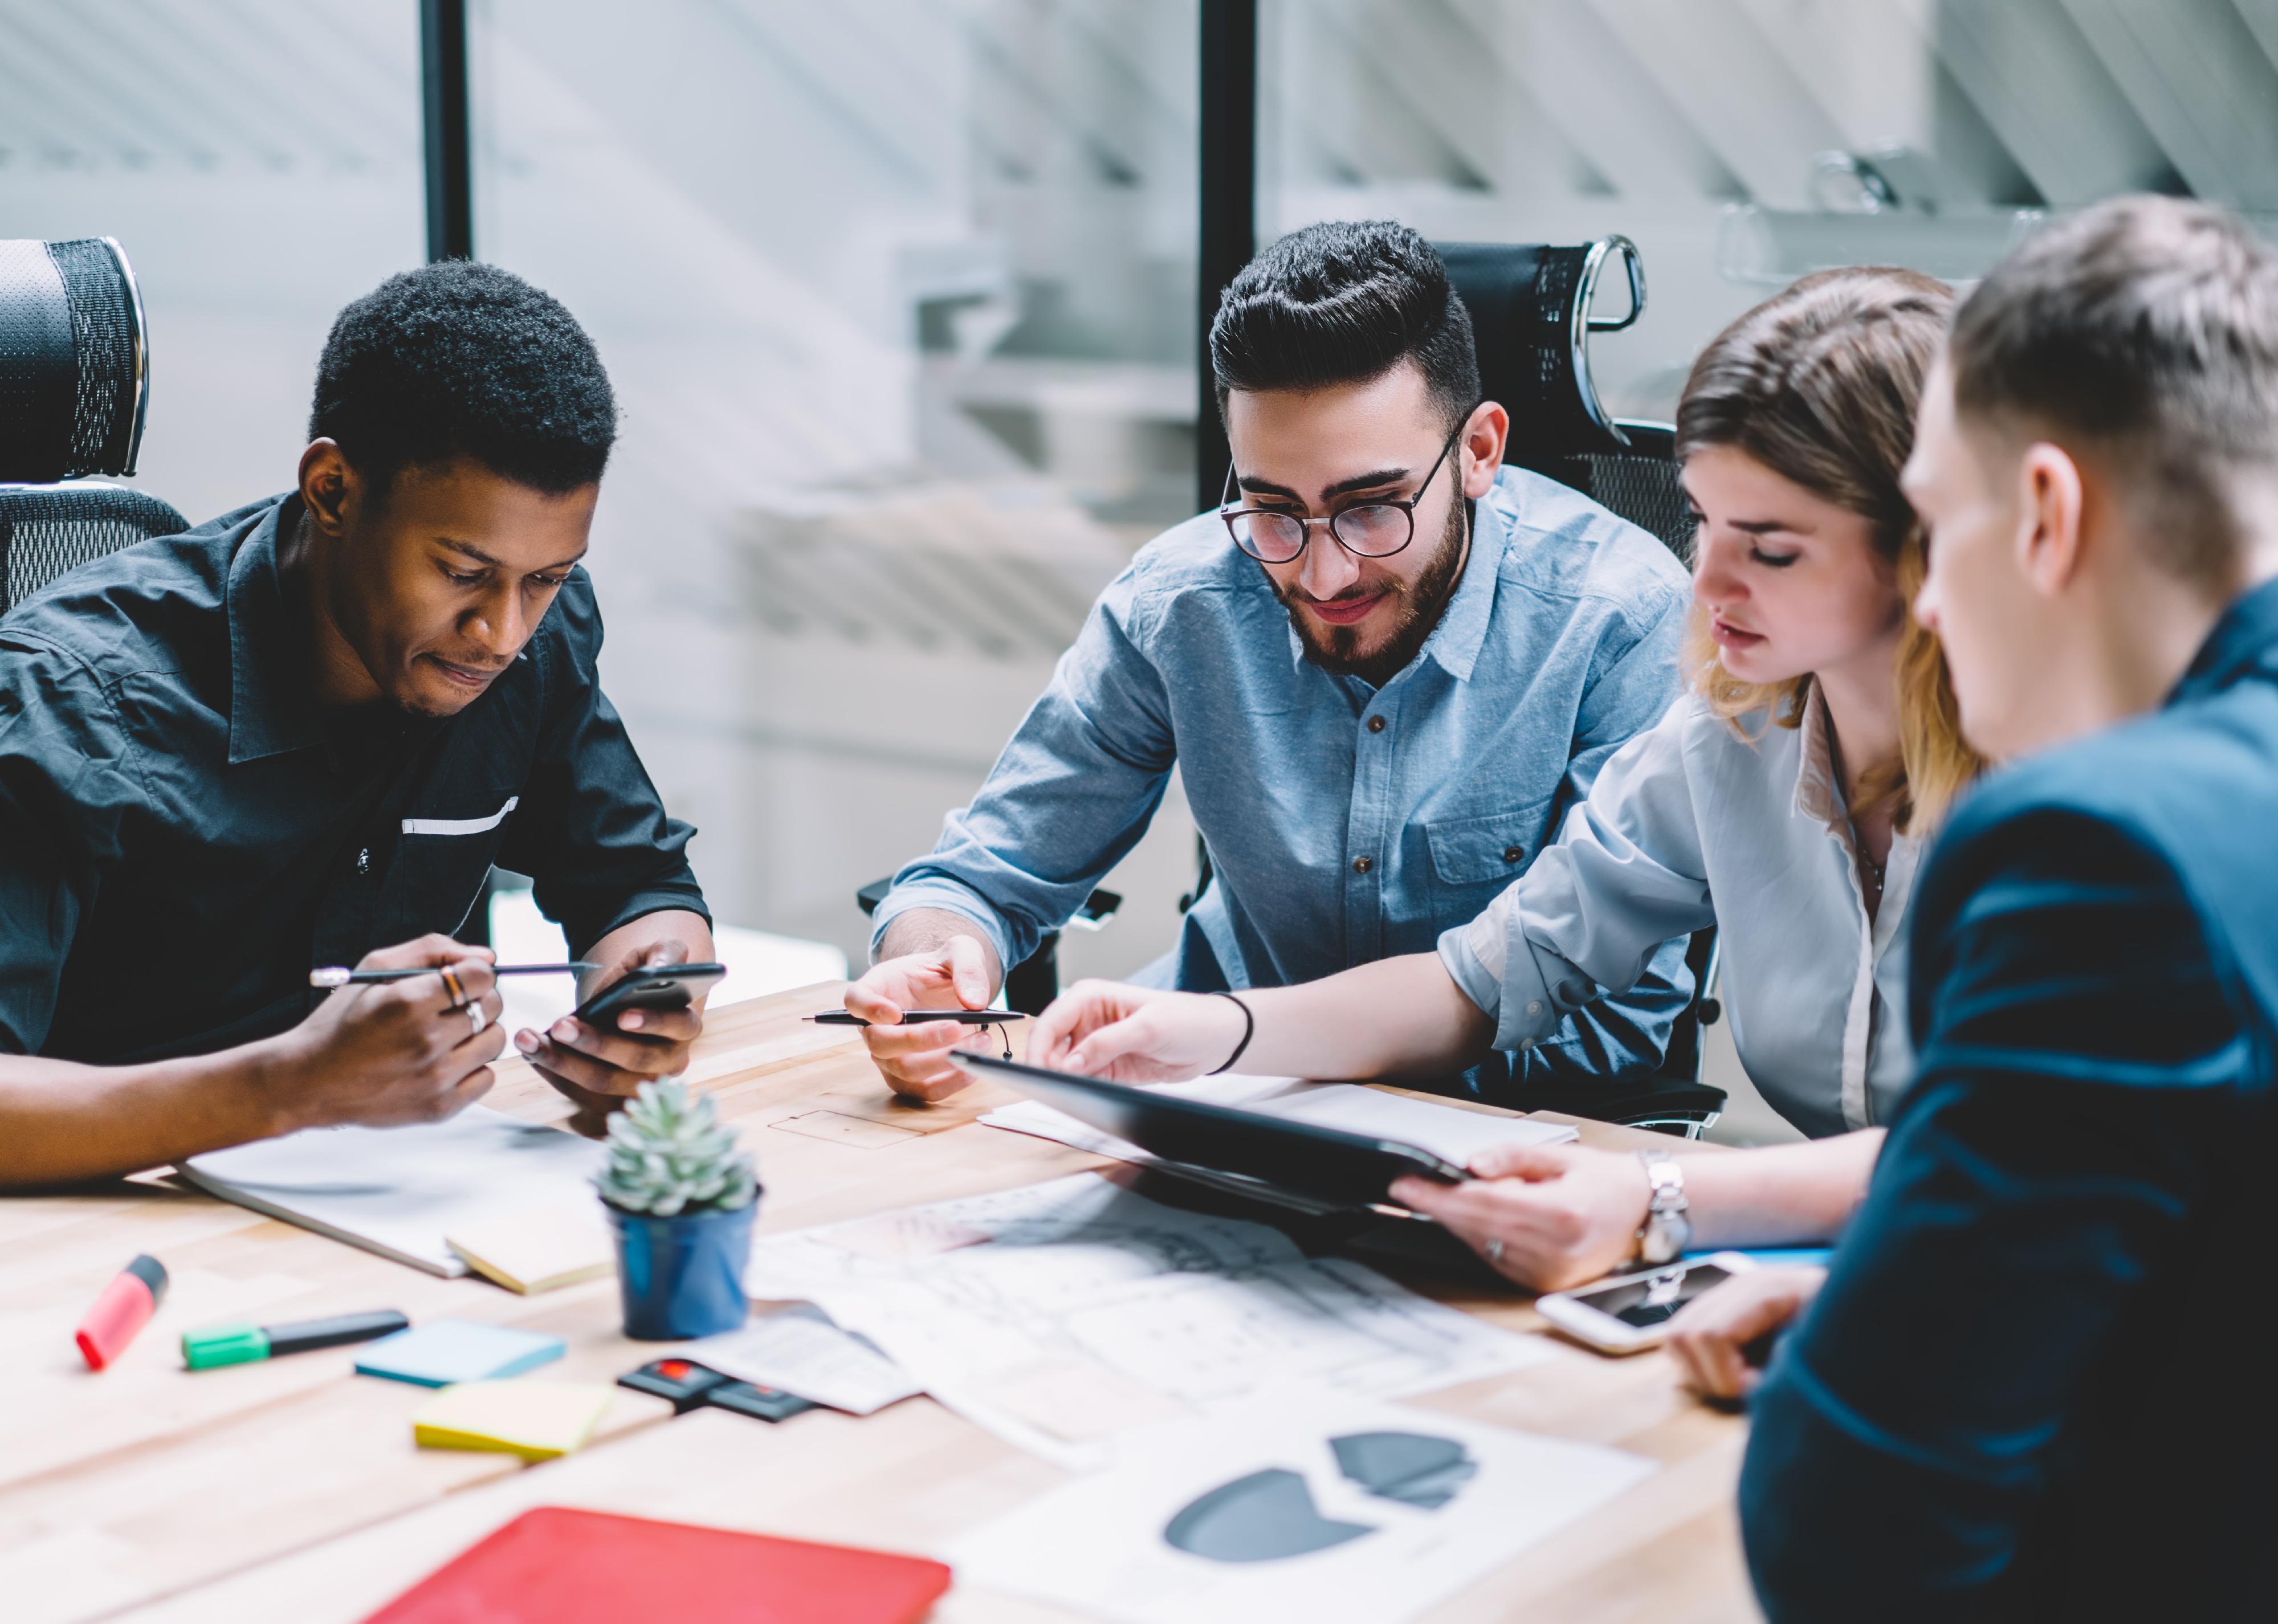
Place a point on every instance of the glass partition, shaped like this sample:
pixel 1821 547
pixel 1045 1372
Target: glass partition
pixel 1741 143
pixel 260 163
pixel 898 298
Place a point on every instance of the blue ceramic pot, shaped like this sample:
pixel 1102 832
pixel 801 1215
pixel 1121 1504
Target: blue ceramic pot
pixel 683 1276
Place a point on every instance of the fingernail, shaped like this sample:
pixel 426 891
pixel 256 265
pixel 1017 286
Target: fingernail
pixel 564 1031
pixel 630 1021
pixel 527 1042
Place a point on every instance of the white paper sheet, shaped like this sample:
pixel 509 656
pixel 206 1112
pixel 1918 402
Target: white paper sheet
pixel 1450 1134
pixel 1060 1314
pixel 801 1352
pixel 400 1190
pixel 1258 1514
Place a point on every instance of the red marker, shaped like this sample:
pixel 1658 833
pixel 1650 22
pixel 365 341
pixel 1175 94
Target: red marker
pixel 125 1308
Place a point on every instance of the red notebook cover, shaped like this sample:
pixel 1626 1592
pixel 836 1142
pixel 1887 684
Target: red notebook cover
pixel 554 1566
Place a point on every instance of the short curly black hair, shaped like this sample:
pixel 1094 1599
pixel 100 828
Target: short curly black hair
pixel 1344 302
pixel 462 360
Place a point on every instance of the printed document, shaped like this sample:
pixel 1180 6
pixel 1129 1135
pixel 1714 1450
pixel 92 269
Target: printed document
pixel 1351 1512
pixel 1060 1314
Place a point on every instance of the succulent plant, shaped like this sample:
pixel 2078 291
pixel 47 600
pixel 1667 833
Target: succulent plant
pixel 669 1153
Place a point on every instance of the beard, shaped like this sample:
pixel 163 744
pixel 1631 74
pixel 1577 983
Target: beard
pixel 1416 608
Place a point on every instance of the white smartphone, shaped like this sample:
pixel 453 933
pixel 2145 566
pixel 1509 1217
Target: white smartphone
pixel 1628 1314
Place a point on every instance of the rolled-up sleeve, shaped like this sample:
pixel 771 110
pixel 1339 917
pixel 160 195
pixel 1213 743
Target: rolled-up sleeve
pixel 591 831
pixel 65 772
pixel 1626 876
pixel 1071 795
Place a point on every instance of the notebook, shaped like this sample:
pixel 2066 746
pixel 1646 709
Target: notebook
pixel 554 1566
pixel 442 1352
pixel 400 1192
pixel 538 1249
pixel 538 1420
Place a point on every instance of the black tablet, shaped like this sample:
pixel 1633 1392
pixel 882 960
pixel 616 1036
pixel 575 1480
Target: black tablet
pixel 1351 1169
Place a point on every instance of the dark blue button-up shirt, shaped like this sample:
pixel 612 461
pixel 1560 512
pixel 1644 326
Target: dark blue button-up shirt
pixel 2037 1384
pixel 184 832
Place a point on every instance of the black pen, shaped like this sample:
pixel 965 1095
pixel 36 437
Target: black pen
pixel 971 1017
pixel 340 975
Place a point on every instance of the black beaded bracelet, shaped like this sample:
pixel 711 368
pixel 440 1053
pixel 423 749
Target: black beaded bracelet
pixel 1249 1031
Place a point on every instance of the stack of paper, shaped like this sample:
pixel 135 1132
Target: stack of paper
pixel 1060 1314
pixel 442 1352
pixel 535 1419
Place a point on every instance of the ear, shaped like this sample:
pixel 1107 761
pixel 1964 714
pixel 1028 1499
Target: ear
pixel 330 487
pixel 1482 447
pixel 2049 543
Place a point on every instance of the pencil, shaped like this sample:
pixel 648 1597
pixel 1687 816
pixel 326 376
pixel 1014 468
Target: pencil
pixel 971 1017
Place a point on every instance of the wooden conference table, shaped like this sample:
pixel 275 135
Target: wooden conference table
pixel 292 1490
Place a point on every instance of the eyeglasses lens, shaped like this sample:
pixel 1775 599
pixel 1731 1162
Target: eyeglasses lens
pixel 1270 537
pixel 1373 529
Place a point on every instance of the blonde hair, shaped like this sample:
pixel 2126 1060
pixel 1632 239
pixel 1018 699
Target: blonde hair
pixel 1819 384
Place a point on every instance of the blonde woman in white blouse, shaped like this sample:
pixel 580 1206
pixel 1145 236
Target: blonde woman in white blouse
pixel 1784 799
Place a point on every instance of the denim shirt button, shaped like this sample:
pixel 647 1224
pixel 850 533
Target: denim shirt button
pixel 1361 865
pixel 1376 724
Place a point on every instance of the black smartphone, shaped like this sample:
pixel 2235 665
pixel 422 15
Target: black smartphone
pixel 659 986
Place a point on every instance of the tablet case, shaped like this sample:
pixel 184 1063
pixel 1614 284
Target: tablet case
pixel 555 1566
pixel 1349 1170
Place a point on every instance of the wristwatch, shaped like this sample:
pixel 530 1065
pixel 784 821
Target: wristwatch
pixel 1668 1229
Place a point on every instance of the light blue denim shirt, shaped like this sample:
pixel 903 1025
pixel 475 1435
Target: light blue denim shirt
pixel 1693 824
pixel 1345 823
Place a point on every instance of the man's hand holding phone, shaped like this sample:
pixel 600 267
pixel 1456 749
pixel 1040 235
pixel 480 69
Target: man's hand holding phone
pixel 599 1064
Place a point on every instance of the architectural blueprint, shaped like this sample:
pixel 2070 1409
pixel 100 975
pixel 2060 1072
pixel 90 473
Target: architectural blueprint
pixel 1060 1314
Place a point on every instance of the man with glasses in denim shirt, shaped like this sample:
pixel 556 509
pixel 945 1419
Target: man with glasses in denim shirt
pixel 1384 668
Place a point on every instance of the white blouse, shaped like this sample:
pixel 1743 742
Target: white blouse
pixel 1690 825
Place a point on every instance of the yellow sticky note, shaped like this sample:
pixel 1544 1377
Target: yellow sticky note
pixel 535 1419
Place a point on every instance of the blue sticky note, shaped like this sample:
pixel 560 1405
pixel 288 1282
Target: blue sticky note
pixel 446 1351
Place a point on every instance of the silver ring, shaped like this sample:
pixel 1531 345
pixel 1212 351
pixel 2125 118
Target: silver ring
pixel 478 1016
pixel 1494 1251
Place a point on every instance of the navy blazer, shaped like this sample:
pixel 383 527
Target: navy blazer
pixel 2037 1383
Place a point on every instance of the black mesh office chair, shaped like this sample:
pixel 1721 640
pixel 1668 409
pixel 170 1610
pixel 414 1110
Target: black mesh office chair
pixel 1530 318
pixel 74 379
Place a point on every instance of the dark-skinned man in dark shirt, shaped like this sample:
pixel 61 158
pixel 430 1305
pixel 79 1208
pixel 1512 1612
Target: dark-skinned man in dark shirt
pixel 300 735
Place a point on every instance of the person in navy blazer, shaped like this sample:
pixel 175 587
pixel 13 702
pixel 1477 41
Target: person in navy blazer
pixel 2034 1382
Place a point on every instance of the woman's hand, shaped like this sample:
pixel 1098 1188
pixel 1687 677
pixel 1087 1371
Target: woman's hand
pixel 1710 1335
pixel 1135 1034
pixel 1547 1215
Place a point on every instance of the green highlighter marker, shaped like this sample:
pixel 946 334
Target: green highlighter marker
pixel 244 1345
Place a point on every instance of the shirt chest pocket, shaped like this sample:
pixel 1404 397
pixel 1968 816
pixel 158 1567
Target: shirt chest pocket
pixel 442 856
pixel 1489 850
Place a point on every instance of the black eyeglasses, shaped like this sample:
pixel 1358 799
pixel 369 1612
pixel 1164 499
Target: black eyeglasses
pixel 1377 528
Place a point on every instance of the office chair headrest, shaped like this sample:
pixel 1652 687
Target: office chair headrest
pixel 74 369
pixel 1531 322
